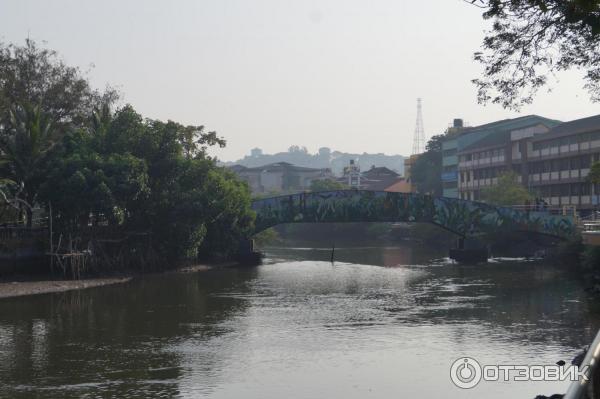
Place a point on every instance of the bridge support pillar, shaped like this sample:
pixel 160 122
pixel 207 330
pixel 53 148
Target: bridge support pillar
pixel 469 250
pixel 247 255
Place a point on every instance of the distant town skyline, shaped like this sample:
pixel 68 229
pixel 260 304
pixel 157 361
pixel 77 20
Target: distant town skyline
pixel 272 73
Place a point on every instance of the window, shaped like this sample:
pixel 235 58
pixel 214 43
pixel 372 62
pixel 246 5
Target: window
pixel 536 167
pixel 563 164
pixel 449 185
pixel 584 162
pixel 586 188
pixel 546 167
pixel 581 189
pixel 545 191
pixel 575 163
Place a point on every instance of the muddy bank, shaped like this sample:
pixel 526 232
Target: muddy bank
pixel 19 287
pixel 11 289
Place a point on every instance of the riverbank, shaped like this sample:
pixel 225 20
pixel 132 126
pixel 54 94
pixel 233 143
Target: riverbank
pixel 11 289
pixel 18 287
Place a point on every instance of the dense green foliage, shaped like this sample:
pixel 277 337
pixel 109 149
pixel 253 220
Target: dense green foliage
pixel 64 147
pixel 530 40
pixel 427 170
pixel 594 175
pixel 508 191
pixel 326 185
pixel 267 237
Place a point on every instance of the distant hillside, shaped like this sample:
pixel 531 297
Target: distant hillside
pixel 324 158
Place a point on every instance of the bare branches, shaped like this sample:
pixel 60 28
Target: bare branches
pixel 15 201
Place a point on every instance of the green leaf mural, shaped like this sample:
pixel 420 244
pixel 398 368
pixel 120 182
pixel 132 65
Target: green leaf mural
pixel 465 218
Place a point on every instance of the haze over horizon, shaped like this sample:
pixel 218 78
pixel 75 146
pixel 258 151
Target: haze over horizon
pixel 272 73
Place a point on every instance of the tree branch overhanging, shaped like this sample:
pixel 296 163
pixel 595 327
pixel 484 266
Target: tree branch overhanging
pixel 530 41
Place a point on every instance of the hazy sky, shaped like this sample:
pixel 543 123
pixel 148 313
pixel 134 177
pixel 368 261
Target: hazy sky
pixel 271 73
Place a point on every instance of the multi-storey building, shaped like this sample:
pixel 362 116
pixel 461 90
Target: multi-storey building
pixel 553 163
pixel 280 177
pixel 559 162
pixel 480 163
pixel 485 142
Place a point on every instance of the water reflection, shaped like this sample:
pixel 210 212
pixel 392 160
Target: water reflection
pixel 298 326
pixel 114 339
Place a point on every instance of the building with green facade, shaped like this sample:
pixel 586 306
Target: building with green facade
pixel 459 137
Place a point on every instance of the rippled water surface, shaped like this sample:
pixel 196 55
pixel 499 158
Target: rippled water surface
pixel 378 323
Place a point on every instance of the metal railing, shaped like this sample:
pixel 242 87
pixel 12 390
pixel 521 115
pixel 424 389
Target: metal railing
pixel 553 210
pixel 579 389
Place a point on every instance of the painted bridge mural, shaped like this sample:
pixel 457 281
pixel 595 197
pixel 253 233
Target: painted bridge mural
pixel 465 218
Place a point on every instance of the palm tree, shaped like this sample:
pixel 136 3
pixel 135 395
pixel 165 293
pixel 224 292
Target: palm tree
pixel 100 123
pixel 24 145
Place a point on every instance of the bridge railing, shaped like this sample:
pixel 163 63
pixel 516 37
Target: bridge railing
pixel 552 210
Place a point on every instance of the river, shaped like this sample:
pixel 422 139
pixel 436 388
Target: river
pixel 377 323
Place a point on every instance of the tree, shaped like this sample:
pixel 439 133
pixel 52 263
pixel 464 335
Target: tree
pixel 427 169
pixel 530 40
pixel 61 144
pixel 33 75
pixel 138 174
pixel 508 191
pixel 41 99
pixel 297 149
pixel 27 139
pixel 594 175
pixel 326 185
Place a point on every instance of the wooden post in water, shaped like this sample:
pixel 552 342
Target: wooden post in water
pixel 51 242
pixel 332 252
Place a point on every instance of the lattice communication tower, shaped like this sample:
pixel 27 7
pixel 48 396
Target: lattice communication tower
pixel 419 138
